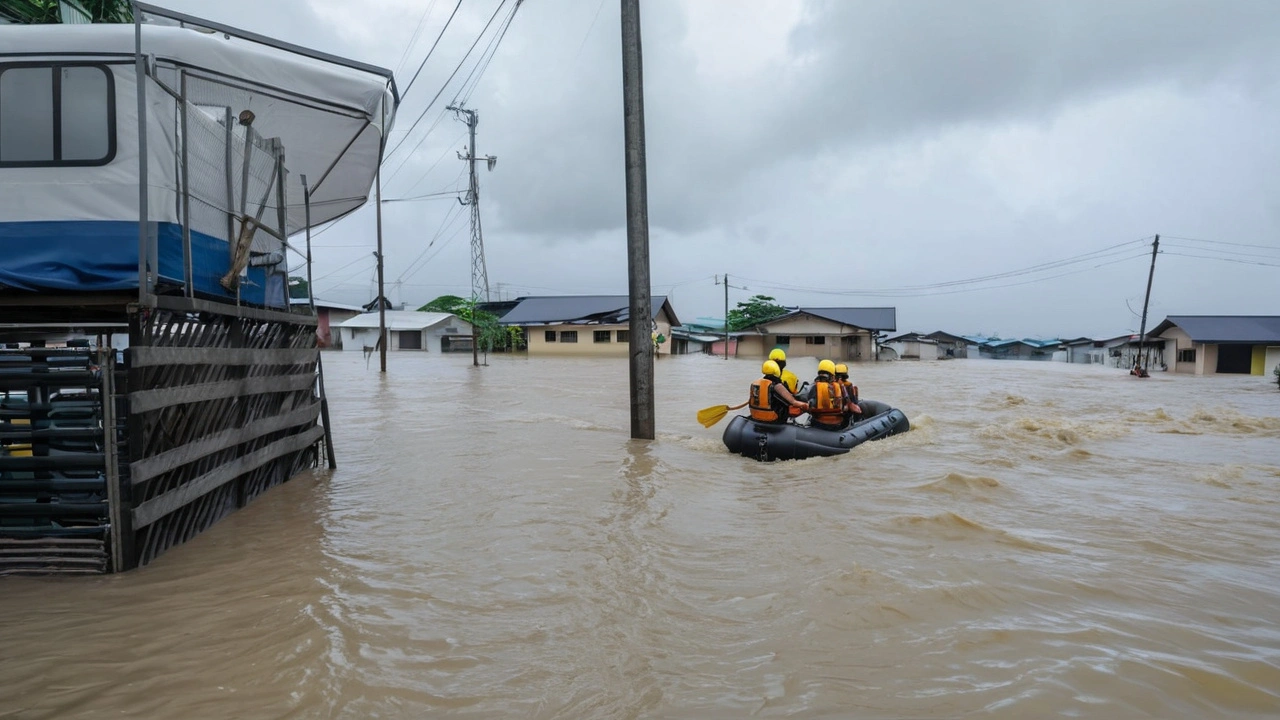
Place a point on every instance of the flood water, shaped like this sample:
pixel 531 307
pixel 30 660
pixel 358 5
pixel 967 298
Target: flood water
pixel 1048 540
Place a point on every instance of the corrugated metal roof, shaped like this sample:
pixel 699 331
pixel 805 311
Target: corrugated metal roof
pixel 865 318
pixel 1251 329
pixel 882 318
pixel 586 309
pixel 402 320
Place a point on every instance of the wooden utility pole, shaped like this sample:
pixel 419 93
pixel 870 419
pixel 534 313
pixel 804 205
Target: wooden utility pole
pixel 641 304
pixel 1142 329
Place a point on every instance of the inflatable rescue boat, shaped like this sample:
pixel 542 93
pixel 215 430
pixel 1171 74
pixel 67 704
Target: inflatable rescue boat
pixel 767 441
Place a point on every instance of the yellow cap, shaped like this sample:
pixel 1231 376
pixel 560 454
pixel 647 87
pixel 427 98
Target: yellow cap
pixel 842 369
pixel 770 368
pixel 826 366
pixel 777 354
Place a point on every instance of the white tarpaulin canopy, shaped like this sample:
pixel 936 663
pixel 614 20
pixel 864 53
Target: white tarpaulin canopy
pixel 330 115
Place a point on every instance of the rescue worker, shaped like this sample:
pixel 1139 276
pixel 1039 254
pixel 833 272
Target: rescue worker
pixel 826 399
pixel 851 406
pixel 770 399
pixel 788 378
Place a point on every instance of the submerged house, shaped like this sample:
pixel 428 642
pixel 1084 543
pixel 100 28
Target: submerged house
pixel 587 324
pixel 950 346
pixel 151 177
pixel 911 346
pixel 407 330
pixel 837 333
pixel 1220 344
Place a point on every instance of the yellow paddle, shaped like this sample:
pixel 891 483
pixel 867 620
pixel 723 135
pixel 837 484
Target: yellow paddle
pixel 714 414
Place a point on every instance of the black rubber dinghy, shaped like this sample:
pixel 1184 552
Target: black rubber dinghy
pixel 765 441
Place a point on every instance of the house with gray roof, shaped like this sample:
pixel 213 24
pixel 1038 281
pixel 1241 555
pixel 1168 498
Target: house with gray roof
pixel 843 334
pixel 595 325
pixel 1221 344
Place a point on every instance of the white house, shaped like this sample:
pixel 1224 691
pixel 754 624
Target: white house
pixel 408 330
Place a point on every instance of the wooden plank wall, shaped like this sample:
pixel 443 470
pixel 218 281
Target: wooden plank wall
pixel 222 405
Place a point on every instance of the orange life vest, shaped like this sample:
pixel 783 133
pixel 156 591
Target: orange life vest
pixel 828 404
pixel 850 390
pixel 763 406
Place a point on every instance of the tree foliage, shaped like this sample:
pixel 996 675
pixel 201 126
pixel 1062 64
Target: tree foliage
pixel 490 332
pixel 298 288
pixel 757 309
pixel 50 11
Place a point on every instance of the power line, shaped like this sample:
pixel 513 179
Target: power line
pixel 486 57
pixel 413 40
pixel 911 290
pixel 446 82
pixel 1224 259
pixel 1222 242
pixel 429 52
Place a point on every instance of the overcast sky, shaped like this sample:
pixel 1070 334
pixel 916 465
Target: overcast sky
pixel 821 151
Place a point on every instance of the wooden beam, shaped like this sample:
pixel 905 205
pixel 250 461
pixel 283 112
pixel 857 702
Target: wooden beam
pixel 151 356
pixel 156 508
pixel 148 400
pixel 184 304
pixel 144 470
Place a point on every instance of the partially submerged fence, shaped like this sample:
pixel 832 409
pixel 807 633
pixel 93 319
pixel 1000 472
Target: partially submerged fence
pixel 109 459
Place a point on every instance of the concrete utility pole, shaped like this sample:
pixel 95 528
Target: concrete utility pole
pixel 479 272
pixel 1142 330
pixel 641 305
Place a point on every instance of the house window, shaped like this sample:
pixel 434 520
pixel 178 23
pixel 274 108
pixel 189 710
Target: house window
pixel 784 340
pixel 550 336
pixel 816 340
pixel 56 114
pixel 1188 355
pixel 410 339
pixel 601 336
pixel 569 336
pixel 624 336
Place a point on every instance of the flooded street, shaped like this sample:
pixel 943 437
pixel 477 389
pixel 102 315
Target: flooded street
pixel 1047 540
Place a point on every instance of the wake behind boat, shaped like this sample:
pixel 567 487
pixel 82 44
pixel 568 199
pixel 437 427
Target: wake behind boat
pixel 770 441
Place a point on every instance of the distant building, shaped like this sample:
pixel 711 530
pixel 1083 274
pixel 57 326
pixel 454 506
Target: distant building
pixel 1082 351
pixel 843 334
pixel 408 330
pixel 1015 349
pixel 912 346
pixel 950 346
pixel 587 324
pixel 1221 344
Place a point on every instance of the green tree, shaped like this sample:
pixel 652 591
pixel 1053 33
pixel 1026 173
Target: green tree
pixel 490 332
pixel 298 288
pixel 449 304
pixel 758 309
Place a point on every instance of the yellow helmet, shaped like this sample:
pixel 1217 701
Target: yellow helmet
pixel 777 354
pixel 770 368
pixel 826 366
pixel 842 369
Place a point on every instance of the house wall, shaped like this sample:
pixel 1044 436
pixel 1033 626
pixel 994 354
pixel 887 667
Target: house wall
pixel 1206 359
pixel 1259 360
pixel 1272 360
pixel 802 329
pixel 752 346
pixel 586 345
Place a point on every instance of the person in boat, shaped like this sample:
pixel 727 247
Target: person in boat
pixel 770 399
pixel 825 398
pixel 788 378
pixel 851 407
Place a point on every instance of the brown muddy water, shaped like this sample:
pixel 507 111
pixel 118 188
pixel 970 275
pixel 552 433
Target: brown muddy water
pixel 1049 540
